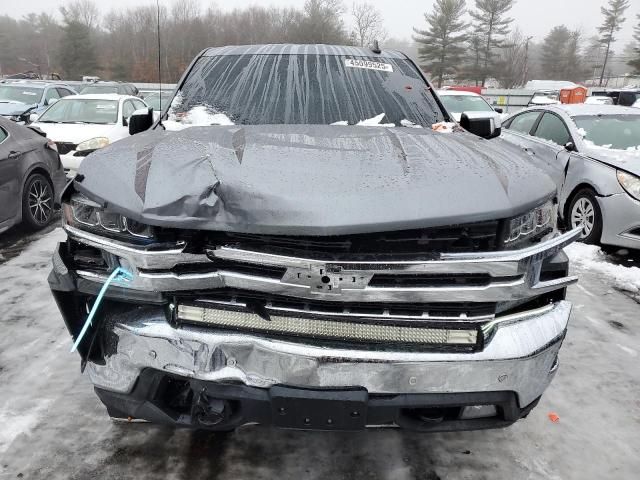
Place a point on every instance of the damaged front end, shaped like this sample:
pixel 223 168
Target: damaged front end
pixel 442 328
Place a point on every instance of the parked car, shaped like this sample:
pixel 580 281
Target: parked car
pixel 457 102
pixel 18 100
pixel 110 87
pixel 31 177
pixel 84 123
pixel 593 153
pixel 623 97
pixel 158 100
pixel 599 100
pixel 545 97
pixel 325 251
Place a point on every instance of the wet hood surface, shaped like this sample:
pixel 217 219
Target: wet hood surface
pixel 312 179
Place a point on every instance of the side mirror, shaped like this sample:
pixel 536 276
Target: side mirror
pixel 51 101
pixel 570 147
pixel 498 109
pixel 33 117
pixel 481 124
pixel 140 120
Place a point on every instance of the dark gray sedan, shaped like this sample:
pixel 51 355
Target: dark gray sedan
pixel 31 177
pixel 593 154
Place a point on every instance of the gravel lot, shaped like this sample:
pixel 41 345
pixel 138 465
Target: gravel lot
pixel 53 426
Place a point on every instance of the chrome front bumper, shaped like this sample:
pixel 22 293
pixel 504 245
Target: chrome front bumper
pixel 521 356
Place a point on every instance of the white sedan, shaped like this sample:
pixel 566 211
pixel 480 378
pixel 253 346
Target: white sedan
pixel 458 102
pixel 81 124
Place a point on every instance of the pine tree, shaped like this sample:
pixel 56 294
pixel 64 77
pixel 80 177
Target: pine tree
pixel 77 52
pixel 612 24
pixel 442 44
pixel 492 25
pixel 554 53
pixel 635 61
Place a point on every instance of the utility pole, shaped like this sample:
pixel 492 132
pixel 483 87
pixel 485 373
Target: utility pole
pixel 525 72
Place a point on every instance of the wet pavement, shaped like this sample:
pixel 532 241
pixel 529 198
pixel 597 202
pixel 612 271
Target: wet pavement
pixel 52 426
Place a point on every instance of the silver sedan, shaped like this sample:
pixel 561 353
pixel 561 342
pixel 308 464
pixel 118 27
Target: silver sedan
pixel 593 154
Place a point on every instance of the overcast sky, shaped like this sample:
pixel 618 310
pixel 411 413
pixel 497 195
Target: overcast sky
pixel 534 17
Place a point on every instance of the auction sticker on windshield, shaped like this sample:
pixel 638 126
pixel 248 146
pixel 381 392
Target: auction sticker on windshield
pixel 369 65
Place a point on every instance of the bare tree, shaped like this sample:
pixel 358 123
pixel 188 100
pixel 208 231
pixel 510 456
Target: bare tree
pixel 85 12
pixel 368 24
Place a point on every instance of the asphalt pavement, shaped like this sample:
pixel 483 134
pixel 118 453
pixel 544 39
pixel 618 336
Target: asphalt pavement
pixel 52 426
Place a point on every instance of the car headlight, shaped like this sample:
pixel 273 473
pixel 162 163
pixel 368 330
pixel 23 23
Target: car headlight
pixel 92 144
pixel 630 183
pixel 82 213
pixel 539 220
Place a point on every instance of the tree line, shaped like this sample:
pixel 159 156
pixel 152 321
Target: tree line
pixel 123 44
pixel 473 45
pixel 475 42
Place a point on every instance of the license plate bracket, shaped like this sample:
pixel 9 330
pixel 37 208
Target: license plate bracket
pixel 307 409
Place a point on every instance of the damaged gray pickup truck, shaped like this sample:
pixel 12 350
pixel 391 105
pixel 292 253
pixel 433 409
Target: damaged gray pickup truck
pixel 304 240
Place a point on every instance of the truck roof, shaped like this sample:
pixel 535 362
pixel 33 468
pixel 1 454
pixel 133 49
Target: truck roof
pixel 291 49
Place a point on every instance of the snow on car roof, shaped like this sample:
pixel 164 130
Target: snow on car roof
pixel 457 93
pixel 590 109
pixel 289 49
pixel 97 96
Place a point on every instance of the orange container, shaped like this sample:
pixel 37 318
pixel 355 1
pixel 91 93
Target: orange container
pixel 573 95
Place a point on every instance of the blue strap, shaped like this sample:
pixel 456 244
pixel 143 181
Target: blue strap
pixel 117 274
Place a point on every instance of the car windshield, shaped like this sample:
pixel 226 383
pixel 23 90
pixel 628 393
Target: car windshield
pixel 16 93
pixel 99 89
pixel 304 89
pixel 619 132
pixel 465 103
pixel 82 111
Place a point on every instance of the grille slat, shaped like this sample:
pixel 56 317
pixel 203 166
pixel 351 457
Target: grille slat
pixel 420 244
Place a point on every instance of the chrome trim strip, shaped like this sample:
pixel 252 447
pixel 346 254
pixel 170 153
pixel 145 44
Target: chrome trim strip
pixel 289 311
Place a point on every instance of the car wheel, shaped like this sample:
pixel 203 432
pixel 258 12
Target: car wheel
pixel 37 202
pixel 585 212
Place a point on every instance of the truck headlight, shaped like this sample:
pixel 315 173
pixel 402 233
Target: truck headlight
pixel 630 183
pixel 92 144
pixel 531 224
pixel 85 214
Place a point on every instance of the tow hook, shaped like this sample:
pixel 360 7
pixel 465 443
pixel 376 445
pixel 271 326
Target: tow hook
pixel 208 411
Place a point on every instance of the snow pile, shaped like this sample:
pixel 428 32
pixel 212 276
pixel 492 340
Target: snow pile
pixel 200 116
pixel 375 122
pixel 591 257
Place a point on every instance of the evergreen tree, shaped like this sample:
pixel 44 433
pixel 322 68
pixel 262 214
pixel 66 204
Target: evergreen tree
pixel 635 61
pixel 442 44
pixel 612 24
pixel 492 25
pixel 575 65
pixel 77 52
pixel 554 53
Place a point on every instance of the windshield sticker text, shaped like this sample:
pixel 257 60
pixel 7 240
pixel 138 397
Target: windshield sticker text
pixel 368 65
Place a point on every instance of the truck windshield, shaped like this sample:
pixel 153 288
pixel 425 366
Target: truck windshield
pixel 304 89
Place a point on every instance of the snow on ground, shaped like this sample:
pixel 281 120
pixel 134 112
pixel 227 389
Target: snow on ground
pixel 592 258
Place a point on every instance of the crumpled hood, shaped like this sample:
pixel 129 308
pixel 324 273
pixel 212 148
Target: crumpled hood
pixel 9 108
pixel 312 179
pixel 626 160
